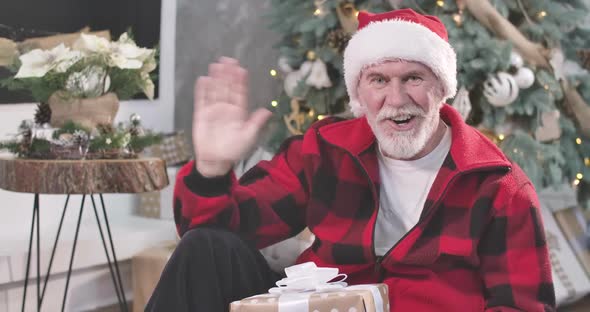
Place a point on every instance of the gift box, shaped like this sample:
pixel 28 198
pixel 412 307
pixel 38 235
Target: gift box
pixel 158 204
pixel 307 287
pixel 146 268
pixel 174 149
pixel 569 276
pixel 359 298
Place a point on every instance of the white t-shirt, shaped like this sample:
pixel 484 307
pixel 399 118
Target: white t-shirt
pixel 404 188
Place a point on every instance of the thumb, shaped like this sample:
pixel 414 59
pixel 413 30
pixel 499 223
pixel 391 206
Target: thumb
pixel 256 121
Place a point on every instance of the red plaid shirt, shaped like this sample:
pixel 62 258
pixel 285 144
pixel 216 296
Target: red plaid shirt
pixel 479 244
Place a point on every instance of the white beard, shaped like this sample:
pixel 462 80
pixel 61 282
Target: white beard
pixel 406 144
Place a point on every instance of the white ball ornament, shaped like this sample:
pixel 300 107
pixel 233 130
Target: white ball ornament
pixel 524 77
pixel 501 89
pixel 516 60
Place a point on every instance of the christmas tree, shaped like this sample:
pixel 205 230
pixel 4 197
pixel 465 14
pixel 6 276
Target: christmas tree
pixel 521 72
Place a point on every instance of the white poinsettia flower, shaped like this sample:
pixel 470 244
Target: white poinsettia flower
pixel 150 63
pixel 92 44
pixel 37 63
pixel 128 55
pixel 148 86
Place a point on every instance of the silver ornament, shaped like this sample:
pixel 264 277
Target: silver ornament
pixel 135 118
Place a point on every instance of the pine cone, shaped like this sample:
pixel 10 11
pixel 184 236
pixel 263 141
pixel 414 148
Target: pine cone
pixel 42 114
pixel 338 39
pixel 584 56
pixel 105 129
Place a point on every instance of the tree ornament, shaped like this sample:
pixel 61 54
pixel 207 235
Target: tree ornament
pixel 524 77
pixel 462 103
pixel 347 16
pixel 501 89
pixel 337 39
pixel 515 59
pixel 318 77
pixel 549 129
pixel 42 113
pixel 135 119
pixel 294 121
pixel 292 79
pixel 284 65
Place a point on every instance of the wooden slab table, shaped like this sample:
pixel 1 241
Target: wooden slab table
pixel 86 178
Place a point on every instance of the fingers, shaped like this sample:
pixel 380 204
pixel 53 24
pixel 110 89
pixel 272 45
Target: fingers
pixel 256 121
pixel 201 86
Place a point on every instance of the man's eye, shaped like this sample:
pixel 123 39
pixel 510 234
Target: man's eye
pixel 414 79
pixel 378 80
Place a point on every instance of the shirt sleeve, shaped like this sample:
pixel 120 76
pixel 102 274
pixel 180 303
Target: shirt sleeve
pixel 514 257
pixel 266 205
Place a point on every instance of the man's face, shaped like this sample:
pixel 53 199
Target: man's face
pixel 401 100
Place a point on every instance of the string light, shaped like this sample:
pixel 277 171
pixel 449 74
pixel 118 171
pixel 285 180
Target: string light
pixel 440 3
pixel 578 141
pixel 515 151
pixel 317 12
pixel 501 137
pixel 311 113
pixel 576 182
pixel 587 162
pixel 273 72
pixel 356 13
pixel 274 103
pixel 311 55
pixel 320 117
pixel 579 176
pixel 546 87
pixel 542 14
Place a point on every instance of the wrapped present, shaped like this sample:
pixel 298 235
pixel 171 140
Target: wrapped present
pixel 146 268
pixel 569 277
pixel 309 288
pixel 174 149
pixel 158 205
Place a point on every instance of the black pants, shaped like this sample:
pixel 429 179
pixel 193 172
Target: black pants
pixel 209 269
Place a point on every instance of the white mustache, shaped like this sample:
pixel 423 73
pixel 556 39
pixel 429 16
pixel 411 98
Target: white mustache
pixel 406 110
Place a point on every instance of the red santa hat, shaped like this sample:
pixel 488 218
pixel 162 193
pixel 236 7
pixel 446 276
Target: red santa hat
pixel 400 34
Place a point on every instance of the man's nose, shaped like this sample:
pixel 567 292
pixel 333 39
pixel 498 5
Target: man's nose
pixel 396 94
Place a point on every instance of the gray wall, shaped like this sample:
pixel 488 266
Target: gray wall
pixel 208 29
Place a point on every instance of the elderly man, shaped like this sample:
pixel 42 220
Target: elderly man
pixel 406 194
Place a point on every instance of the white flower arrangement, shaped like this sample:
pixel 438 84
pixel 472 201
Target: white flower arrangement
pixel 93 66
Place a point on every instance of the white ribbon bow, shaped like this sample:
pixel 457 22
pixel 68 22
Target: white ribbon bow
pixel 308 277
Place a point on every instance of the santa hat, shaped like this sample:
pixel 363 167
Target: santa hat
pixel 400 34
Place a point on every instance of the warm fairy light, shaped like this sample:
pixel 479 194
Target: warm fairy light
pixel 356 13
pixel 274 103
pixel 515 150
pixel 542 14
pixel 317 12
pixel 273 72
pixel 440 3
pixel 576 182
pixel 311 55
pixel 587 161
pixel 311 113
pixel 546 87
pixel 579 176
pixel 320 117
pixel 501 137
pixel 578 141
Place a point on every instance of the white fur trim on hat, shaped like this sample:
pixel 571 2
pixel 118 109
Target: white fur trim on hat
pixel 398 39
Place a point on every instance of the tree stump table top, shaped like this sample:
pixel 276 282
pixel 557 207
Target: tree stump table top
pixel 44 176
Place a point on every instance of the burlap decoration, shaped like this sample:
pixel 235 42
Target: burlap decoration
pixel 86 112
